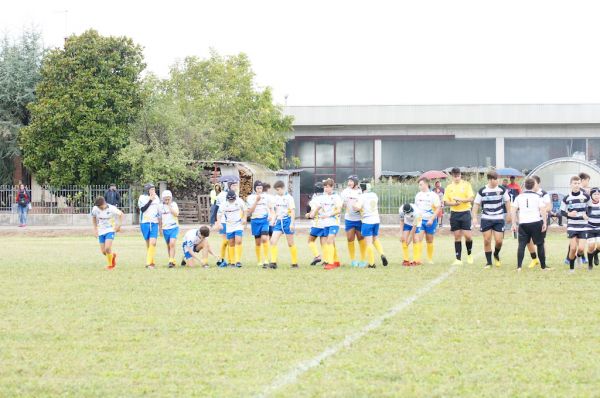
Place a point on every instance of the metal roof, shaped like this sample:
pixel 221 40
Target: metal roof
pixel 342 115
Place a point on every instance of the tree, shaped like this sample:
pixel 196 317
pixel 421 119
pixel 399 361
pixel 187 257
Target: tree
pixel 87 100
pixel 228 117
pixel 20 63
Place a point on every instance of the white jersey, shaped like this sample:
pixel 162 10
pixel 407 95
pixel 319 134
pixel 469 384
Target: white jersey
pixel 152 213
pixel 221 198
pixel 369 210
pixel 529 204
pixel 284 206
pixel 316 221
pixel 232 214
pixel 329 204
pixel 349 197
pixel 413 218
pixel 191 238
pixel 428 203
pixel 263 207
pixel 105 219
pixel 169 220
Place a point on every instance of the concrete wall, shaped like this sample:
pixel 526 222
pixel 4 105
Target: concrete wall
pixel 55 219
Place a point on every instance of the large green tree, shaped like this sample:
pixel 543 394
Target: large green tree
pixel 228 116
pixel 89 96
pixel 20 62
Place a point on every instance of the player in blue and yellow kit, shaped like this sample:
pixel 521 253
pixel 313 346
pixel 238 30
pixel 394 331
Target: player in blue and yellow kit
pixel 103 219
pixel 149 221
pixel 260 211
pixel 283 223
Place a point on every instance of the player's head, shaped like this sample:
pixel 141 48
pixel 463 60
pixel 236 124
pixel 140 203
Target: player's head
pixel 529 184
pixel 575 183
pixel 279 187
pixel 585 179
pixel 328 185
pixel 438 184
pixel 456 174
pixel 538 181
pixel 149 189
pixel 365 186
pixel 231 196
pixel 512 179
pixel 258 186
pixel 100 202
pixel 318 188
pixel 352 181
pixel 203 231
pixel 166 196
pixel 233 186
pixel 407 208
pixel 595 193
pixel 505 182
pixel 424 184
pixel 492 178
pixel 266 187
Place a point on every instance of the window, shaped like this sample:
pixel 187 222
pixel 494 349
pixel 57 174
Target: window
pixel 325 154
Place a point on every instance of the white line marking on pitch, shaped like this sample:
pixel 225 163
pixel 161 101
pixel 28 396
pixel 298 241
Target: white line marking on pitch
pixel 303 367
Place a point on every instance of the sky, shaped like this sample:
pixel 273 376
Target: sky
pixel 358 52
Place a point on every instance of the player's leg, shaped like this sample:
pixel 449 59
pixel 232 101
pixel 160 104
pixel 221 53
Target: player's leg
pixel 581 248
pixel 362 247
pixel 293 248
pixel 404 239
pixel 591 252
pixel 573 247
pixel 274 239
pixel 351 236
pixel 417 247
pixel 498 241
pixel 312 245
pixel 374 232
pixel 468 234
pixel 487 246
pixel 223 250
pixel 231 248
pixel 238 248
pixel 524 238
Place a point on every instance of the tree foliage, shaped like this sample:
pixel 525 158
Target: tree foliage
pixel 88 97
pixel 20 62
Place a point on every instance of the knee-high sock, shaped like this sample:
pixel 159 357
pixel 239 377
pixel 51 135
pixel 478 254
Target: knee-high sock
pixel 150 254
pixel 109 258
pixel 231 254
pixel 313 248
pixel 457 249
pixel 294 254
pixel 265 247
pixel 430 251
pixel 238 253
pixel 273 253
pixel 497 251
pixel 328 253
pixel 405 254
pixel 336 258
pixel 362 245
pixel 258 251
pixel 370 254
pixel 469 245
pixel 542 255
pixel 223 248
pixel 378 246
pixel 352 251
pixel 417 251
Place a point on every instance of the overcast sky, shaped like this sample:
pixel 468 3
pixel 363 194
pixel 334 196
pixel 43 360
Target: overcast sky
pixel 359 52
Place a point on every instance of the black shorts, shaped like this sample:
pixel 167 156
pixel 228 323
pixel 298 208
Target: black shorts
pixel 577 234
pixel 593 233
pixel 531 232
pixel 460 220
pixel 495 225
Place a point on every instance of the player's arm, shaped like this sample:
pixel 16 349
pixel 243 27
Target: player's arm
pixel 315 210
pixel 95 225
pixel 544 214
pixel 174 208
pixel 253 207
pixel 121 220
pixel 507 203
pixel 513 215
pixel 218 222
pixel 470 196
pixel 358 205
pixel 448 201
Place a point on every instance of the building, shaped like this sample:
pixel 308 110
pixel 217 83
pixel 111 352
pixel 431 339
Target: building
pixel 336 141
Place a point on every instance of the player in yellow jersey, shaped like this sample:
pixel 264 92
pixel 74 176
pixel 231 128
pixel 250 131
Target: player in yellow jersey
pixel 459 195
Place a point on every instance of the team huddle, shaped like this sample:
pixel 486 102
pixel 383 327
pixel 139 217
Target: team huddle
pixel 273 215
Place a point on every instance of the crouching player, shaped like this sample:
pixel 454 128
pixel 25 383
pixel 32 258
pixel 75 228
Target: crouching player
pixel 196 241
pixel 103 219
pixel 169 212
pixel 367 204
pixel 233 215
pixel 410 225
pixel 283 223
pixel 593 234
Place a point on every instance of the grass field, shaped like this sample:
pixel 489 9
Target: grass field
pixel 70 328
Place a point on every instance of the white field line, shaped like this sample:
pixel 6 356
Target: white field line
pixel 302 367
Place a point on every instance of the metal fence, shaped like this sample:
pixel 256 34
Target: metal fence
pixel 66 200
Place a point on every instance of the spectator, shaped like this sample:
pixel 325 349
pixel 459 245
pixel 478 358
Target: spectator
pixel 440 192
pixel 23 200
pixel 112 196
pixel 213 203
pixel 555 211
pixel 514 189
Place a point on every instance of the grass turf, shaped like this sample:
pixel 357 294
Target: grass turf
pixel 70 328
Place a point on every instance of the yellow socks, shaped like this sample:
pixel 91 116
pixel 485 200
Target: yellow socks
pixel 370 254
pixel 238 253
pixel 273 254
pixel 378 246
pixel 294 254
pixel 257 250
pixel 430 251
pixel 231 250
pixel 405 255
pixel 363 249
pixel 336 258
pixel 109 257
pixel 352 251
pixel 327 253
pixel 417 250
pixel 150 254
pixel 265 247
pixel 223 247
pixel 313 248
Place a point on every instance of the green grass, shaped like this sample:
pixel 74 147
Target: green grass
pixel 70 328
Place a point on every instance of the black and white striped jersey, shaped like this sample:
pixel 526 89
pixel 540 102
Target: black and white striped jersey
pixel 593 213
pixel 493 202
pixel 575 201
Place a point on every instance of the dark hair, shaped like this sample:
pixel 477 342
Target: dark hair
pixel 100 201
pixel 328 182
pixel 266 186
pixel 257 183
pixel 529 183
pixel 455 171
pixel 575 178
pixel 425 180
pixel 492 175
pixel 537 179
pixel 279 184
pixel 584 176
pixel 407 208
pixel 204 231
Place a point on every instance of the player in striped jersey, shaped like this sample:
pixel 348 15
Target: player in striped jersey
pixel 428 202
pixel 169 212
pixel 316 229
pixel 574 208
pixel 495 203
pixel 410 226
pixel 548 203
pixel 233 216
pixel 593 233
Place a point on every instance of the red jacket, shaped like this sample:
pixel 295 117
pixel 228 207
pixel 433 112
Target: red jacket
pixel 22 194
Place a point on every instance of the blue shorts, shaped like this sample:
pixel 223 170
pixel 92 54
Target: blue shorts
pixel 170 234
pixel 149 230
pixel 186 254
pixel 259 226
pixel 348 225
pixel 429 229
pixel 223 229
pixel 410 227
pixel 231 235
pixel 103 238
pixel 332 230
pixel 283 226
pixel 316 232
pixel 369 230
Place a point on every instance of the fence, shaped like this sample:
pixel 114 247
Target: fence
pixel 66 200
